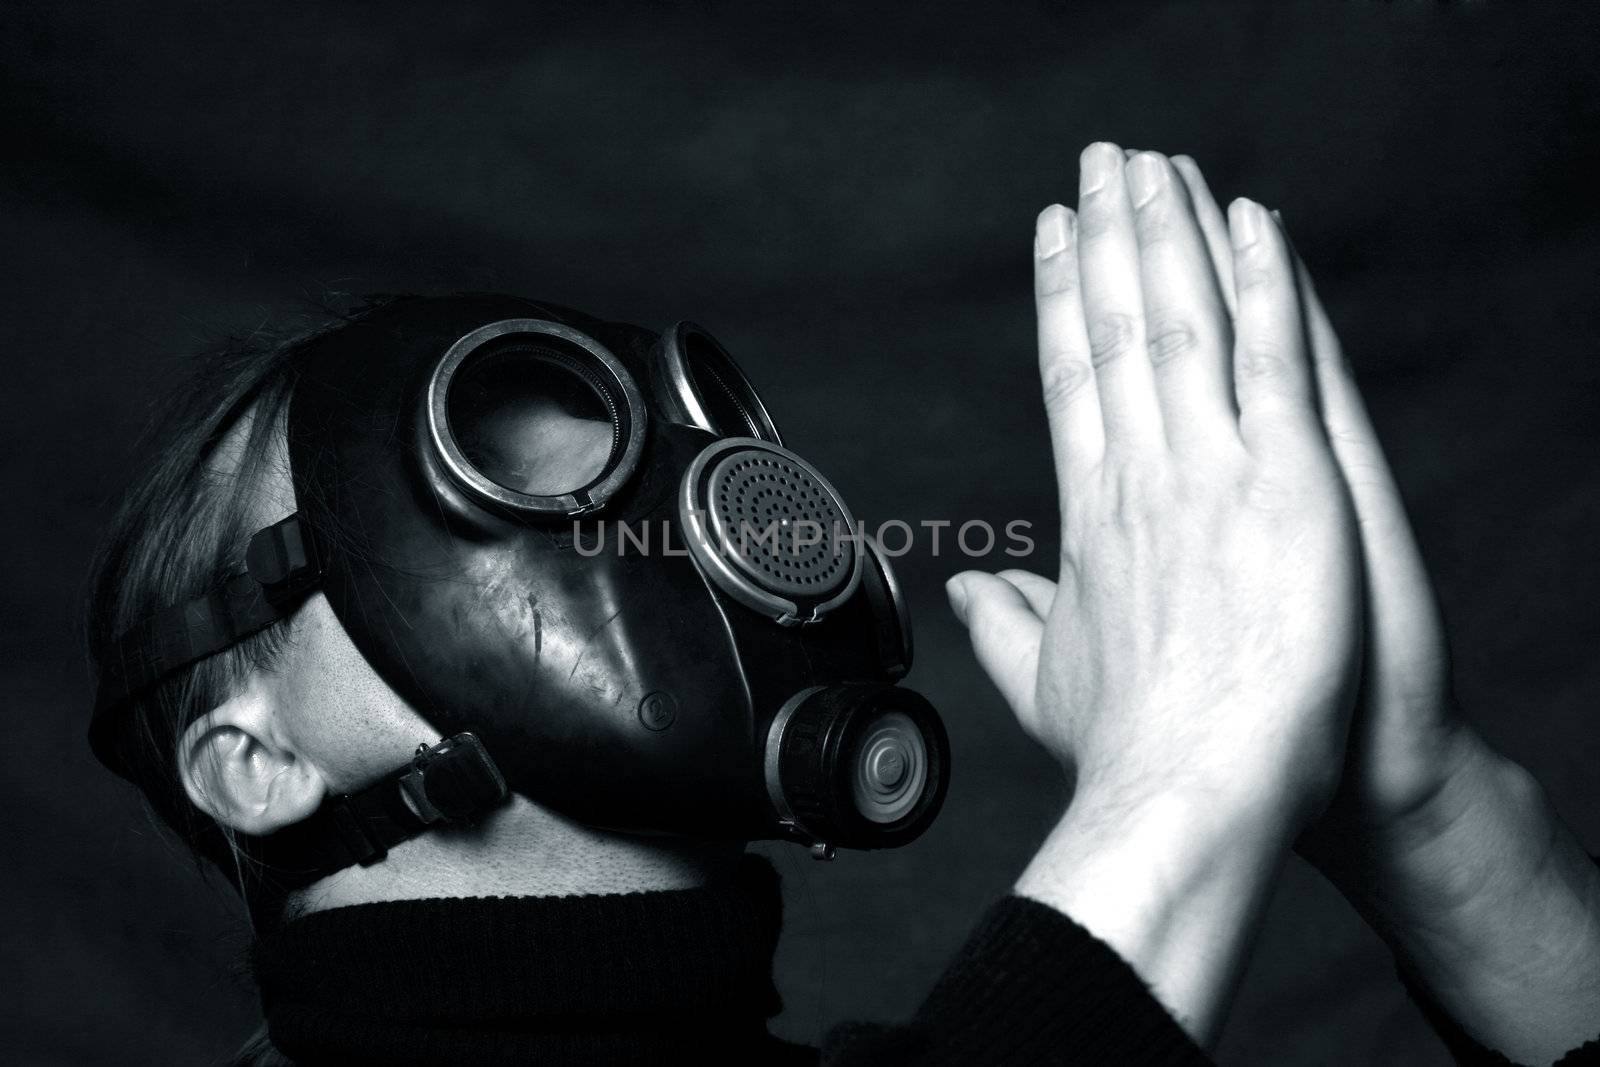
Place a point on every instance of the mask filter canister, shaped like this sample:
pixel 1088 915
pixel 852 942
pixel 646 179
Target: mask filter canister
pixel 857 766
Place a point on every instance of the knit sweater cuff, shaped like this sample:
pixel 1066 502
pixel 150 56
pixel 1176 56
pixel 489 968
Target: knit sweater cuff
pixel 1032 986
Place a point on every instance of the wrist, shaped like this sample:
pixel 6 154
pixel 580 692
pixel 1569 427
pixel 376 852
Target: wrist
pixel 1139 860
pixel 1171 883
pixel 1274 786
pixel 1489 902
pixel 1477 823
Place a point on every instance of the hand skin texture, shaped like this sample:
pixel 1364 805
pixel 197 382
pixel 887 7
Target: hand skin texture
pixel 1449 850
pixel 1196 668
pixel 1237 572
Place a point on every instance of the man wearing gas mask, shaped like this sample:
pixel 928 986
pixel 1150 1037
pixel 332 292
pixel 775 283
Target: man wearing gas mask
pixel 366 639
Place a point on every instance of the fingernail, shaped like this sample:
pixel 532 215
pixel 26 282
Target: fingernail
pixel 1097 165
pixel 956 590
pixel 1246 222
pixel 1145 178
pixel 1051 236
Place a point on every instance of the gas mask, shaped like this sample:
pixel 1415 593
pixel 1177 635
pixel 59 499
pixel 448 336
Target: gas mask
pixel 581 551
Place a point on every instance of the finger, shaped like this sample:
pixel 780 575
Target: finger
pixel 1076 434
pixel 1213 224
pixel 1271 369
pixel 1108 267
pixel 1005 634
pixel 1189 335
pixel 1390 547
pixel 1036 589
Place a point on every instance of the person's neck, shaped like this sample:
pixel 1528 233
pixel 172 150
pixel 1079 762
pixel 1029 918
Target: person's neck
pixel 522 850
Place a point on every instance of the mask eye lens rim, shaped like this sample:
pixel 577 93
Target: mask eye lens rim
pixel 600 369
pixel 686 348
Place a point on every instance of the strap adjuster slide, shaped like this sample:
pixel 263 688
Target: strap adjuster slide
pixel 453 781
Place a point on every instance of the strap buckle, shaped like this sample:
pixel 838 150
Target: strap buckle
pixel 454 781
pixel 282 560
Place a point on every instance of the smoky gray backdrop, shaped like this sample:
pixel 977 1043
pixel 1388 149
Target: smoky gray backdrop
pixel 846 198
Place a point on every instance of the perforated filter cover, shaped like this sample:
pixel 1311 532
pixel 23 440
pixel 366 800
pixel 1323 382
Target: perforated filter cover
pixel 779 524
pixel 770 530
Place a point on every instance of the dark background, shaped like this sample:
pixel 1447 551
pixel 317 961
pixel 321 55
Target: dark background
pixel 847 200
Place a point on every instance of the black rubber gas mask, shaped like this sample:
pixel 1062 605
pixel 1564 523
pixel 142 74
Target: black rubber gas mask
pixel 580 550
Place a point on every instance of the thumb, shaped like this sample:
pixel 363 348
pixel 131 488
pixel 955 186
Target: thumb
pixel 1005 634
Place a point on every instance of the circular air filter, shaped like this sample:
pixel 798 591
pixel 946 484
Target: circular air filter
pixel 770 530
pixel 891 768
pixel 857 766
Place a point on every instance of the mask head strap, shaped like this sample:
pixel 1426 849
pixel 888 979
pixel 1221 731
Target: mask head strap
pixel 281 570
pixel 453 782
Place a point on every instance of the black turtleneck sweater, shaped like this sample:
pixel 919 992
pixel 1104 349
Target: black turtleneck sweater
pixel 680 976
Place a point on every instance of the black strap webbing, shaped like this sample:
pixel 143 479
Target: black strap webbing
pixel 281 569
pixel 454 782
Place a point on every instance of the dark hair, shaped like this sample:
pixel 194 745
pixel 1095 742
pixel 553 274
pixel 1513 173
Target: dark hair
pixel 181 530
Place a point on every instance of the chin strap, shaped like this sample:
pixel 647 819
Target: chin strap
pixel 453 783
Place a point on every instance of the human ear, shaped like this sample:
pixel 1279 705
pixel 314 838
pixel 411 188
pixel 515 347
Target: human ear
pixel 238 770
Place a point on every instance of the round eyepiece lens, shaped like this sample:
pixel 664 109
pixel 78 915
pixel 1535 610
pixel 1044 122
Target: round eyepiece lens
pixel 530 419
pixel 728 399
pixel 705 387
